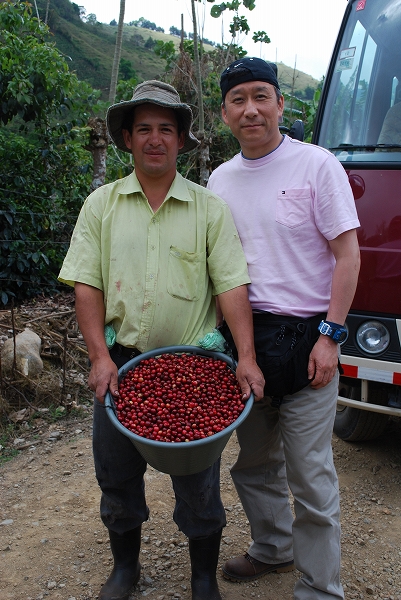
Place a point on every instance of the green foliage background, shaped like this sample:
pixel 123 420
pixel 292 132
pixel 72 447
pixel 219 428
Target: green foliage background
pixel 45 172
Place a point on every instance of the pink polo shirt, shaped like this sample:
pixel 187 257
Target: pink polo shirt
pixel 287 206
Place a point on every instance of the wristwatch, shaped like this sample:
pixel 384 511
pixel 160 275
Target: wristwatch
pixel 338 333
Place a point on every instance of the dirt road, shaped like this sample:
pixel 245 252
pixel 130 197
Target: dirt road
pixel 53 544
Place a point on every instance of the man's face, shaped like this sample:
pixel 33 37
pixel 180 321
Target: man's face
pixel 252 112
pixel 154 140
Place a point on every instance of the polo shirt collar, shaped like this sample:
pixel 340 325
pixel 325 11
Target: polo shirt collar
pixel 178 189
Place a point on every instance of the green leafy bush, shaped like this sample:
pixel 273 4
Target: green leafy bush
pixel 41 193
pixel 44 168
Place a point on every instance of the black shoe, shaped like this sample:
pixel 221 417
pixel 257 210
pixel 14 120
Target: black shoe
pixel 127 569
pixel 204 556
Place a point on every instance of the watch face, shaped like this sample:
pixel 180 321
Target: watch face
pixel 340 335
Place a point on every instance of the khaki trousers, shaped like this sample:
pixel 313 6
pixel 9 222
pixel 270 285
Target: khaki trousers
pixel 290 446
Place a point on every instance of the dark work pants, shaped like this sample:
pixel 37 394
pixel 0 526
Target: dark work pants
pixel 120 468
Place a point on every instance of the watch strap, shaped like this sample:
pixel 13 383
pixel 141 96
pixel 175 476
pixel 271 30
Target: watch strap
pixel 332 330
pixel 334 325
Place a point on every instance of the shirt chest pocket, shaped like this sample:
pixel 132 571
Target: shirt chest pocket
pixel 293 207
pixel 185 276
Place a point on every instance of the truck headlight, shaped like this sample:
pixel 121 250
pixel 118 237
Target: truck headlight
pixel 373 337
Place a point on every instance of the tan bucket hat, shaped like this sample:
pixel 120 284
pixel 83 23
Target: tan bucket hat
pixel 154 92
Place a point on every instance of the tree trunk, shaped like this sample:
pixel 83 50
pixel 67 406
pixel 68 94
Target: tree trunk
pixel 117 53
pixel 98 143
pixel 204 161
pixel 47 11
pixel 293 86
pixel 37 12
pixel 203 152
pixel 182 34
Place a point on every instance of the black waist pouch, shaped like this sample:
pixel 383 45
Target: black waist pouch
pixel 283 345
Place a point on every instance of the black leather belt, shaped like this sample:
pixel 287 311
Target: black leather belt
pixel 124 351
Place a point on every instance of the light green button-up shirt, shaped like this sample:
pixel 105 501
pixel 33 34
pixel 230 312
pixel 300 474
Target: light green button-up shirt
pixel 158 271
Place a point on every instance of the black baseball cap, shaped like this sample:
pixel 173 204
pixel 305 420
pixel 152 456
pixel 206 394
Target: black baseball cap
pixel 248 69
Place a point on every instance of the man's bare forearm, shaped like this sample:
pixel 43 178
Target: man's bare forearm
pixel 90 311
pixel 237 312
pixel 345 276
pixel 323 359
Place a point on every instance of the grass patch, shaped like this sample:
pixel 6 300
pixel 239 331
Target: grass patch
pixel 7 451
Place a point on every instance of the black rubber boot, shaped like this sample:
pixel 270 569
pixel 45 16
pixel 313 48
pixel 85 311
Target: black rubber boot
pixel 204 556
pixel 127 569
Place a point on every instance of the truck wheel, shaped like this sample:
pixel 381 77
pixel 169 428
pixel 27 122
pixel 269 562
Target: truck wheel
pixel 353 425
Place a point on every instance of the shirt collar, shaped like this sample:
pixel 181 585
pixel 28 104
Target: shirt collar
pixel 178 190
pixel 264 155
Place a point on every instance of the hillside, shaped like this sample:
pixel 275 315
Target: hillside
pixel 89 49
pixel 294 80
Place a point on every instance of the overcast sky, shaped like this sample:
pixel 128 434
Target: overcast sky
pixel 301 31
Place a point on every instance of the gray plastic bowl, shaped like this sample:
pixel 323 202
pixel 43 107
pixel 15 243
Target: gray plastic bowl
pixel 180 458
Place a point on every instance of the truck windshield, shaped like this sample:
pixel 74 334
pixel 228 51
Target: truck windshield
pixel 362 116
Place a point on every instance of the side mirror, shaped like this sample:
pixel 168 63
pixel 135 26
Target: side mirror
pixel 297 130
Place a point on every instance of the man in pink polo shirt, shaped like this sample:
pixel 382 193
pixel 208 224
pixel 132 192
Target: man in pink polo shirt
pixel 295 214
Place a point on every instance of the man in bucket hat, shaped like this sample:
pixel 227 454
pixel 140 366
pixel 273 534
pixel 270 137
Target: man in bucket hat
pixel 148 254
pixel 295 213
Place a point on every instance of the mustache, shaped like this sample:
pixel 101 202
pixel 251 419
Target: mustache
pixel 152 150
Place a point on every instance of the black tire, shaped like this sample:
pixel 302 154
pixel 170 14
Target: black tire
pixel 353 425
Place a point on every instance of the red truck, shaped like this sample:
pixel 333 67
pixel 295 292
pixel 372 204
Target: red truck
pixel 359 121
